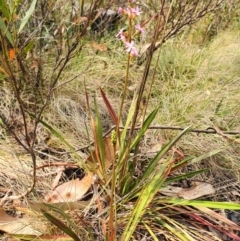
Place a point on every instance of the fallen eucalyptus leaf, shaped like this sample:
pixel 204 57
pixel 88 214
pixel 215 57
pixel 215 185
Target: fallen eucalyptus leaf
pixel 198 190
pixel 24 225
pixel 70 191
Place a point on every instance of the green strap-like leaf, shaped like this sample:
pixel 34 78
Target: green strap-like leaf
pixel 184 176
pixel 122 143
pixel 156 179
pixel 151 232
pixel 64 215
pixel 27 16
pixel 145 126
pixel 54 132
pixel 62 226
pixel 199 203
pixel 4 9
pixel 154 162
pixel 99 135
pixel 176 230
pixel 5 31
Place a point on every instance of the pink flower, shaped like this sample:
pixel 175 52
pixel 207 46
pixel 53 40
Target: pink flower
pixel 139 28
pixel 136 11
pixel 132 12
pixel 121 10
pixel 131 49
pixel 121 34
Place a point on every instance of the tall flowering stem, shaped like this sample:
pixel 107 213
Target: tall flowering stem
pixel 126 77
pixel 126 37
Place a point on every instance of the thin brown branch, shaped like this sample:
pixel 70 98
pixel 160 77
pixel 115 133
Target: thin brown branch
pixel 59 164
pixel 209 130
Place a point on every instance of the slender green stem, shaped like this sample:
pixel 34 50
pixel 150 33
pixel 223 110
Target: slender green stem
pixel 126 81
pixel 126 151
pixel 123 96
pixel 112 208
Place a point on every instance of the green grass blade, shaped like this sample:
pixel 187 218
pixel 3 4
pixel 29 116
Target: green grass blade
pixel 55 133
pixel 99 136
pixel 61 225
pixel 4 9
pixel 176 230
pixel 182 163
pixel 64 215
pixel 128 121
pixel 196 159
pixel 155 238
pixel 152 165
pixel 27 16
pixel 181 177
pixel 129 183
pixel 123 143
pixel 5 31
pixel 199 203
pixel 145 126
pixel 211 153
pixel 156 179
pixel 13 5
pixel 47 237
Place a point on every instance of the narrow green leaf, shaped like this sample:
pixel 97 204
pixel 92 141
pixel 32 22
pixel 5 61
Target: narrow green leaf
pixel 57 134
pixel 199 203
pixel 64 215
pixel 99 135
pixel 28 47
pixel 182 163
pixel 5 31
pixel 122 144
pixel 155 238
pixel 190 160
pixel 128 121
pixel 3 71
pixel 154 162
pixel 64 206
pixel 4 9
pixel 211 153
pixel 53 131
pixel 156 179
pixel 176 230
pixel 145 126
pixel 181 177
pixel 27 16
pixel 129 183
pixel 124 149
pixel 61 225
pixel 53 208
pixel 13 4
pixel 47 237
